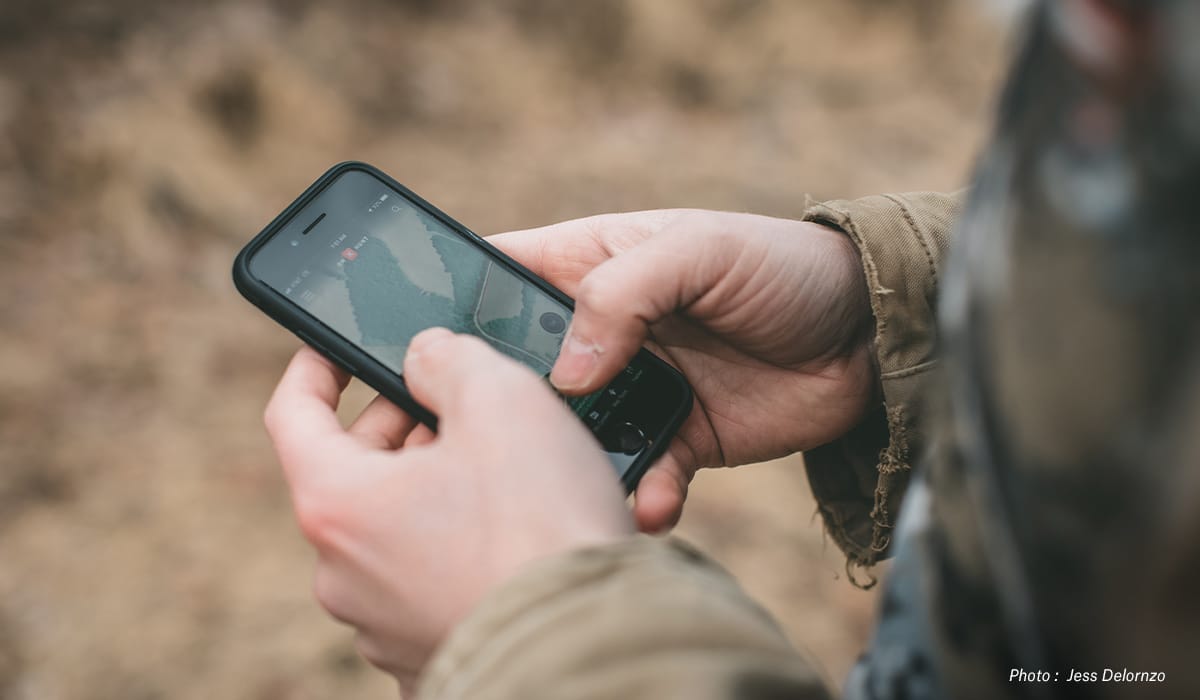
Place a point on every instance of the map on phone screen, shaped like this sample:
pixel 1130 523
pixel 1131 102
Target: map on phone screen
pixel 407 272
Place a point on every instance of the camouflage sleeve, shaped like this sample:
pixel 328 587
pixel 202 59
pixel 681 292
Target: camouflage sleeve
pixel 859 480
pixel 644 618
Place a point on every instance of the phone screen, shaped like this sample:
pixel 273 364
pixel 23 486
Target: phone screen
pixel 377 269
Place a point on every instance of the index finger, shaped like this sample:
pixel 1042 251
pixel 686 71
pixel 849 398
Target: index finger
pixel 526 247
pixel 565 252
pixel 301 416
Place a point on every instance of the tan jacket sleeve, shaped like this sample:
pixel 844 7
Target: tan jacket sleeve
pixel 650 618
pixel 645 618
pixel 859 480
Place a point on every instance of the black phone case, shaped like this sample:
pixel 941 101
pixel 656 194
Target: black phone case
pixel 358 363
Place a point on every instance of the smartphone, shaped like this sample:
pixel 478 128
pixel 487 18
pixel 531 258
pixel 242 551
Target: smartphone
pixel 359 264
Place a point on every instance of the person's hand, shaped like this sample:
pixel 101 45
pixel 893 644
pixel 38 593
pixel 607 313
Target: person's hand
pixel 769 319
pixel 411 529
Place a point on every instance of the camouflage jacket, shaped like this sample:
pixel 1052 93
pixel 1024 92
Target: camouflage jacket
pixel 1045 374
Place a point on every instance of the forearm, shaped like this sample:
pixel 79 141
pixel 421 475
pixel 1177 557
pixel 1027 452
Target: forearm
pixel 645 618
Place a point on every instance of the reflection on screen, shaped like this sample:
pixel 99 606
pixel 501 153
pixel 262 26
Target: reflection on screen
pixel 406 272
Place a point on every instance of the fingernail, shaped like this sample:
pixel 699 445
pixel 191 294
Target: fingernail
pixel 424 342
pixel 576 363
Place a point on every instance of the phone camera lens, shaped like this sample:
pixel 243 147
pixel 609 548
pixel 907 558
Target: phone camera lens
pixel 553 323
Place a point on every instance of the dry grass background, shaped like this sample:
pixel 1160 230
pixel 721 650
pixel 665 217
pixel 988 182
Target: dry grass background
pixel 146 544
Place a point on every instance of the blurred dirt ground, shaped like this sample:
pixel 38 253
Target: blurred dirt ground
pixel 147 548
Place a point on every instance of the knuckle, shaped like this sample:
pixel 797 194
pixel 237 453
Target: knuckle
pixel 372 651
pixel 286 451
pixel 592 294
pixel 271 419
pixel 319 519
pixel 282 429
pixel 329 594
pixel 696 228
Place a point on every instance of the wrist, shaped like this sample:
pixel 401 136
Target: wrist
pixel 863 341
pixel 851 360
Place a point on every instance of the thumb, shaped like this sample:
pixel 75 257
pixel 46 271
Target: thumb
pixel 617 301
pixel 452 374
